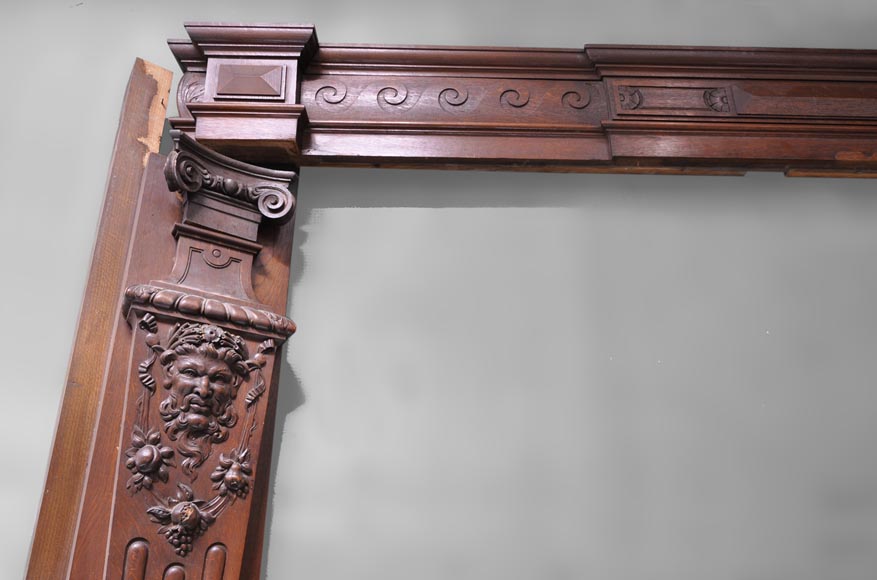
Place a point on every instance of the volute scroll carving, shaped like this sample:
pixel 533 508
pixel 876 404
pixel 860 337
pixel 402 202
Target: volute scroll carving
pixel 193 168
pixel 190 90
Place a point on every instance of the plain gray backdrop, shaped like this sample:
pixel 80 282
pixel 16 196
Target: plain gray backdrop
pixel 496 376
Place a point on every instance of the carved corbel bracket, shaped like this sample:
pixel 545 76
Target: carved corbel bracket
pixel 225 202
pixel 240 92
pixel 198 378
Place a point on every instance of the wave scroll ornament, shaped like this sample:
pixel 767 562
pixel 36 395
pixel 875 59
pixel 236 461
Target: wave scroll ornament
pixel 192 168
pixel 397 97
pixel 515 98
pixel 578 99
pixel 450 99
pixel 331 94
pixel 393 96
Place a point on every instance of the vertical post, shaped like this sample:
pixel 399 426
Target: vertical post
pixel 181 449
pixel 176 439
pixel 201 366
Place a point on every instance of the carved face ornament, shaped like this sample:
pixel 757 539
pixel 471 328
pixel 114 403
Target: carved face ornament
pixel 204 387
pixel 204 367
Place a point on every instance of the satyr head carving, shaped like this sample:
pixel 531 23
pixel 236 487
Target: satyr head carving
pixel 204 367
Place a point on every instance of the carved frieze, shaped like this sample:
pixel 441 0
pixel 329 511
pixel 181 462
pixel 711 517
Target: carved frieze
pixel 576 107
pixel 460 103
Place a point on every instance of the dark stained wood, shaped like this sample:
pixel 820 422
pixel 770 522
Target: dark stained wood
pixel 245 77
pixel 229 272
pixel 139 133
pixel 172 386
pixel 136 558
pixel 198 275
pixel 608 107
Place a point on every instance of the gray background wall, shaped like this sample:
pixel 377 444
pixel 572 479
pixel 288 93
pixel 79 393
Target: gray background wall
pixel 503 375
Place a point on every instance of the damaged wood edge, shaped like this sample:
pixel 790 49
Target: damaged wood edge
pixel 139 132
pixel 157 108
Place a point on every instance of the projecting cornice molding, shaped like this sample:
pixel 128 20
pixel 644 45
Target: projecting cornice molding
pixel 207 40
pixel 270 93
pixel 240 91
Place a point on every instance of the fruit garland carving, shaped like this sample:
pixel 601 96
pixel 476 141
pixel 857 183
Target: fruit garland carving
pixel 204 365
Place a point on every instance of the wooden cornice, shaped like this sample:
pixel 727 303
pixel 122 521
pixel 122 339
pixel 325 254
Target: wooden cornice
pixel 606 108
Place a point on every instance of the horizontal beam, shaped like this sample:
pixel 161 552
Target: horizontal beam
pixel 270 93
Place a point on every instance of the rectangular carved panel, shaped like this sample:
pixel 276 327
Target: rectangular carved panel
pixel 250 81
pixel 812 100
pixel 672 98
pixel 242 79
pixel 634 97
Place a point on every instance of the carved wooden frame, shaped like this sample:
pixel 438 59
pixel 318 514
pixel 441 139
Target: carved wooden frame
pixel 174 374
